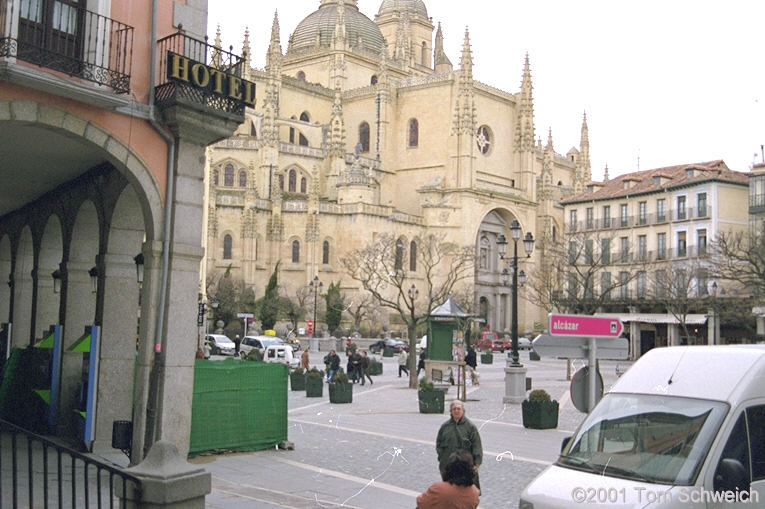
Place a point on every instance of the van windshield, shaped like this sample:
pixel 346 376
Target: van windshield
pixel 641 437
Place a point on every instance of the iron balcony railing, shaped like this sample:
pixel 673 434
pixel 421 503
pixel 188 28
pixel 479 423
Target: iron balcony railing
pixel 36 472
pixel 171 91
pixel 69 39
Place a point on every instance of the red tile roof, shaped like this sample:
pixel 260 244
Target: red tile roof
pixel 641 182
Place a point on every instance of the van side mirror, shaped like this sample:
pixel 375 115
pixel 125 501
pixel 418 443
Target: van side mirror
pixel 564 443
pixel 731 476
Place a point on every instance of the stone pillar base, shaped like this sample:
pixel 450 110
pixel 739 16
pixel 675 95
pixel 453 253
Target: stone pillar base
pixel 515 385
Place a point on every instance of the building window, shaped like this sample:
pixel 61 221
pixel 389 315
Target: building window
pixel 227 247
pixel 660 285
pixel 483 254
pixel 702 282
pixel 679 289
pixel 642 248
pixel 701 241
pixel 572 254
pixel 399 261
pixel 624 250
pixel 484 140
pixel 281 182
pixel 642 212
pixel 606 216
pixel 302 185
pixel 216 177
pixel 373 80
pixel 682 244
pixel 424 55
pixel 295 251
pixel 590 218
pixel 292 135
pixel 228 175
pixel 701 205
pixel 641 284
pixel 656 180
pixel 572 220
pixel 588 252
pixel 305 117
pixel 661 210
pixel 302 140
pixel 605 285
pixel 661 246
pixel 292 181
pixel 325 253
pixel 573 286
pixel 301 75
pixel 623 217
pixel 364 137
pixel 413 256
pixel 624 278
pixel 414 133
pixel 605 251
pixel 681 207
pixel 242 179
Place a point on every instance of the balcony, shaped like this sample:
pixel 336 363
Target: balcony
pixel 71 40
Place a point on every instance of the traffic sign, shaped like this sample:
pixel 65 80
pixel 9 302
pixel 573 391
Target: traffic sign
pixel 579 389
pixel 585 326
pixel 576 347
pixel 244 315
pixel 309 324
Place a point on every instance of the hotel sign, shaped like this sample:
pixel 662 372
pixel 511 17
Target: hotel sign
pixel 210 79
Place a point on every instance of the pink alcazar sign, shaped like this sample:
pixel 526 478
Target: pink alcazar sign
pixel 585 326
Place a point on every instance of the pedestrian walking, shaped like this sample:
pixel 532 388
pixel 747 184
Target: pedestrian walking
pixel 421 361
pixel 402 358
pixel 332 360
pixel 364 363
pixel 237 345
pixel 304 359
pixel 457 490
pixel 356 364
pixel 472 364
pixel 458 434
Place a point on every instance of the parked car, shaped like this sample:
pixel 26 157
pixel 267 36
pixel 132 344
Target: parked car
pixel 281 354
pixel 490 340
pixel 220 344
pixel 259 343
pixel 523 343
pixel 394 344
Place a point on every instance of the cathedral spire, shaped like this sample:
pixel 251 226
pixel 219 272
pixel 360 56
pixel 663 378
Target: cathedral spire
pixel 216 54
pixel 441 62
pixel 466 60
pixel 247 61
pixel 274 56
pixel 401 51
pixel 339 35
pixel 605 174
pixel 524 128
pixel 464 108
pixel 337 127
pixel 584 147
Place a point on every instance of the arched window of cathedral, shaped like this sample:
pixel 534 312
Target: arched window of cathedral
pixel 483 254
pixel 399 262
pixel 281 182
pixel 414 132
pixel 242 179
pixel 413 256
pixel 483 309
pixel 228 175
pixel 302 140
pixel 253 132
pixel 364 136
pixel 292 135
pixel 325 252
pixel 560 183
pixel 216 177
pixel 373 80
pixel 302 185
pixel 301 75
pixel 425 54
pixel 293 181
pixel 484 139
pixel 304 117
pixel 227 247
pixel 554 234
pixel 295 251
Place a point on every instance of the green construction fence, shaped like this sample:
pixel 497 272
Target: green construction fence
pixel 238 406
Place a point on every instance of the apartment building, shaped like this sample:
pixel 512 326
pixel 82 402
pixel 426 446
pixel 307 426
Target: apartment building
pixel 648 235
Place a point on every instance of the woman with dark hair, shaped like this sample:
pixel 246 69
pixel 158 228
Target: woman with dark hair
pixel 457 490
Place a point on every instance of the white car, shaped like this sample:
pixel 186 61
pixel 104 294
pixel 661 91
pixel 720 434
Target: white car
pixel 258 343
pixel 220 344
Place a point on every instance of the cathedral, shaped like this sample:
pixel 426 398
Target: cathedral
pixel 364 126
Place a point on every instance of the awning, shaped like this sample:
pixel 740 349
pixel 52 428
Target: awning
pixel 690 319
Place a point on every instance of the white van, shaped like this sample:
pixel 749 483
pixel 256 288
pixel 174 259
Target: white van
pixel 281 354
pixel 683 428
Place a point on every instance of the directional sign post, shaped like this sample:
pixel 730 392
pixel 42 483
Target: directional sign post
pixel 587 326
pixel 246 317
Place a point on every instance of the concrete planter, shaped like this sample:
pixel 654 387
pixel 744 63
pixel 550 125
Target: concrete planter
pixel 387 352
pixel 341 392
pixel 431 402
pixel 487 358
pixel 314 387
pixel 297 381
pixel 375 368
pixel 539 414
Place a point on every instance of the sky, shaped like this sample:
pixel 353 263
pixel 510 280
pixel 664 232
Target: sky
pixel 662 82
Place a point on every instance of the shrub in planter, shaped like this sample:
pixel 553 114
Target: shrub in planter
pixel 314 383
pixel 539 411
pixel 431 399
pixel 387 352
pixel 340 389
pixel 375 366
pixel 297 379
pixel 487 358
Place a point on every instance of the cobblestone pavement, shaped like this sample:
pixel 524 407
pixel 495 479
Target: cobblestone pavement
pixel 379 451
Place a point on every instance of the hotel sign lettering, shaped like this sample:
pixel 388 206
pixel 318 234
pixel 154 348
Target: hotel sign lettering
pixel 210 79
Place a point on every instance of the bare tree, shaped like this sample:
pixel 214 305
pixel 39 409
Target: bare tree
pixel 362 308
pixel 379 268
pixel 677 289
pixel 740 257
pixel 582 276
pixel 294 303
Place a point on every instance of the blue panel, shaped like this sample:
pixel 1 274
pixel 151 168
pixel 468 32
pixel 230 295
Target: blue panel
pixel 90 416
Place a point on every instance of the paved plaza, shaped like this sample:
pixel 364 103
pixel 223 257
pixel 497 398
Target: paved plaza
pixel 379 451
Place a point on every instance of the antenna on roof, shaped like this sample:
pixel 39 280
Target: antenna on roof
pixel 762 151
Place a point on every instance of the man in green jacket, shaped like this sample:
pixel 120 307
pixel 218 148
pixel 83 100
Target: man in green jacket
pixel 458 434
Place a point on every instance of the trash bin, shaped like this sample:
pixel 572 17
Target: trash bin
pixel 122 435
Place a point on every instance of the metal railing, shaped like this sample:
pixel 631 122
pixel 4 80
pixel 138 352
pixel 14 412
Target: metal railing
pixel 37 472
pixel 69 39
pixel 198 51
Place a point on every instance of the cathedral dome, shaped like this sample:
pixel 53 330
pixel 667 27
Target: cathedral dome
pixel 391 6
pixel 318 28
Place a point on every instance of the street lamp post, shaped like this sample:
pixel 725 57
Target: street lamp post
pixel 315 286
pixel 714 313
pixel 515 373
